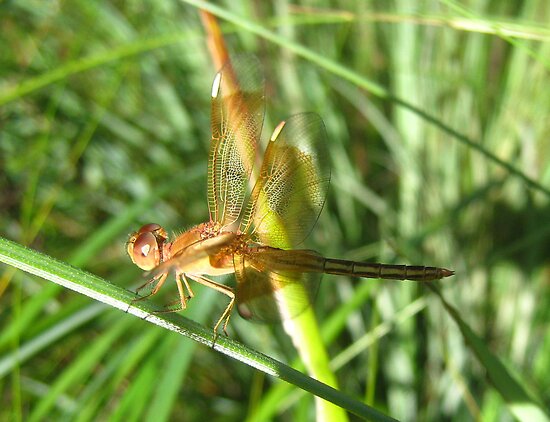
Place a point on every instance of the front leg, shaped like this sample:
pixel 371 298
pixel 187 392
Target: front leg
pixel 160 279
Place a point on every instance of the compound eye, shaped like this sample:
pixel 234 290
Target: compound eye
pixel 151 228
pixel 144 251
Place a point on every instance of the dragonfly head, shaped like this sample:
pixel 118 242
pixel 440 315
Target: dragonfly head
pixel 145 247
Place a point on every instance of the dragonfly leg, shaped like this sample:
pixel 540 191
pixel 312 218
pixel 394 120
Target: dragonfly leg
pixel 187 286
pixel 222 288
pixel 226 314
pixel 160 281
pixel 181 292
pixel 181 289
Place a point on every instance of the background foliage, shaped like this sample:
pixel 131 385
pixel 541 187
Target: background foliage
pixel 104 113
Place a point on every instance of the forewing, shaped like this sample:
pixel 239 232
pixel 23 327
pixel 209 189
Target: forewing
pixel 237 117
pixel 191 259
pixel 292 185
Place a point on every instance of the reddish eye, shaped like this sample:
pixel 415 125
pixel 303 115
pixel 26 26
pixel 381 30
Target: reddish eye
pixel 150 228
pixel 145 246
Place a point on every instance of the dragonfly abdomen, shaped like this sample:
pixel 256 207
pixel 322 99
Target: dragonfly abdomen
pixel 385 271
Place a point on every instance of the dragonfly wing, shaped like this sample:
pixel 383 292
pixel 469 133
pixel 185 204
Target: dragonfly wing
pixel 237 117
pixel 292 185
pixel 196 257
pixel 270 295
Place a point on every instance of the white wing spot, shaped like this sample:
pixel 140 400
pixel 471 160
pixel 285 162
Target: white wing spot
pixel 277 130
pixel 216 85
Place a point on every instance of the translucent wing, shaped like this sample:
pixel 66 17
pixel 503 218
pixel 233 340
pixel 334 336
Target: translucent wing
pixel 268 294
pixel 237 117
pixel 195 257
pixel 292 185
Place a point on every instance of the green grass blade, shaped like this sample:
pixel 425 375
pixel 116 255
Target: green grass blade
pixel 61 73
pixel 520 402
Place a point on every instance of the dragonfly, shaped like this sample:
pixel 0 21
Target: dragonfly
pixel 259 213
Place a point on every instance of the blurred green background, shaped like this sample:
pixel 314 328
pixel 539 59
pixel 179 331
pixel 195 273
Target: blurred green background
pixel 104 116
